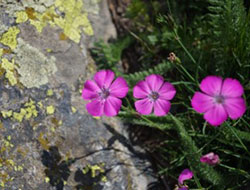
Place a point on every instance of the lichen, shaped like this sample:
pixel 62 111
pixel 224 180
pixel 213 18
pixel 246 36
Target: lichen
pixel 50 92
pixel 74 19
pixel 73 109
pixel 9 38
pixel 26 112
pixel 6 163
pixel 50 109
pixel 70 17
pixel 34 67
pixel 9 68
pixel 7 114
pixel 21 17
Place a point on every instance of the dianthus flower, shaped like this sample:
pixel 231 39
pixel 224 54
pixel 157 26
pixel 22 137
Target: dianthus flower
pixel 210 158
pixel 219 99
pixel 154 94
pixel 185 175
pixel 104 93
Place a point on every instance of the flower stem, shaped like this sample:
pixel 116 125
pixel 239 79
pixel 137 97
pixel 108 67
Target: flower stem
pixel 240 141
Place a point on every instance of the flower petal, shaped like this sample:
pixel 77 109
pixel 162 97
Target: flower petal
pixel 141 90
pixel 202 102
pixel 104 78
pixel 95 108
pixel 161 107
pixel 211 85
pixel 210 158
pixel 167 91
pixel 185 174
pixel 231 88
pixel 216 115
pixel 235 107
pixel 112 106
pixel 119 88
pixel 144 106
pixel 90 90
pixel 154 82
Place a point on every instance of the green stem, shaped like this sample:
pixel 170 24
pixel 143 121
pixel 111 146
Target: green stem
pixel 238 138
pixel 184 48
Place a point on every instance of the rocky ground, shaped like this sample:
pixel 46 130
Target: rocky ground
pixel 47 139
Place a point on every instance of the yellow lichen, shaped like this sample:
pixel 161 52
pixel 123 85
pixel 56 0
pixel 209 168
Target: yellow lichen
pixel 1 52
pixel 47 179
pixel 8 66
pixel 73 109
pixel 73 21
pixel 9 70
pixel 6 114
pixel 43 141
pixel 50 109
pixel 28 111
pixel 19 116
pixel 50 92
pixel 21 17
pixel 40 104
pixel 9 37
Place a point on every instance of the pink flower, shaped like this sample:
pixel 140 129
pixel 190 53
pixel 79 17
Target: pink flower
pixel 219 99
pixel 183 188
pixel 104 93
pixel 153 93
pixel 210 158
pixel 185 175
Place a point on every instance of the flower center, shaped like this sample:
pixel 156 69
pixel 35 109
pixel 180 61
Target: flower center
pixel 219 99
pixel 104 93
pixel 153 96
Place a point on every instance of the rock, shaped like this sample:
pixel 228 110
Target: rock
pixel 47 139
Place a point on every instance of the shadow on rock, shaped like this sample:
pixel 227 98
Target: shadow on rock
pixel 56 170
pixel 88 181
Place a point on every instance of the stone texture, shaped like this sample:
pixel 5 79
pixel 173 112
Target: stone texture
pixel 48 141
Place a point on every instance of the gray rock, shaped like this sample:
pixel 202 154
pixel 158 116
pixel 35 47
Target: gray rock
pixel 47 139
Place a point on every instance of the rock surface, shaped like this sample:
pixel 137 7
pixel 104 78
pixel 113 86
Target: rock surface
pixel 47 139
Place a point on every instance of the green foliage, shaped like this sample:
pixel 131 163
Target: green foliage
pixel 160 69
pixel 107 56
pixel 211 37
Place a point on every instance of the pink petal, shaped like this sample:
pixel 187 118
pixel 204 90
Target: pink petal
pixel 183 188
pixel 216 115
pixel 211 85
pixel 202 102
pixel 90 90
pixel 144 106
pixel 185 175
pixel 161 107
pixel 231 88
pixel 141 90
pixel 119 88
pixel 112 106
pixel 154 82
pixel 235 107
pixel 167 91
pixel 95 107
pixel 210 158
pixel 104 78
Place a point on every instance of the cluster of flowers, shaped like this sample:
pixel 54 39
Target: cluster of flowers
pixel 210 158
pixel 218 100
